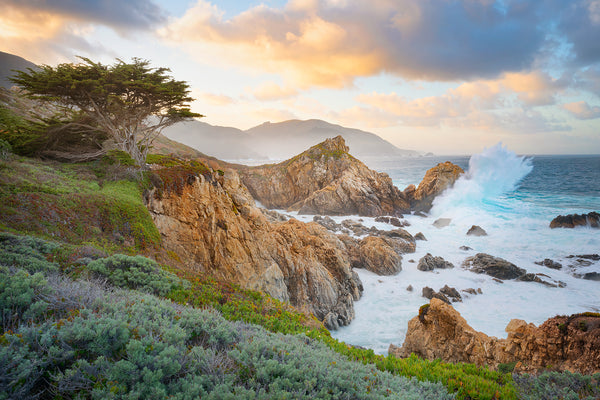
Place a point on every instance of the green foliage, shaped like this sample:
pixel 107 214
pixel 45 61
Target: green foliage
pixel 119 157
pixel 422 312
pixel 27 252
pixel 130 102
pixel 71 203
pixel 19 301
pixel 557 385
pixel 505 368
pixel 136 272
pixel 176 175
pixel 5 149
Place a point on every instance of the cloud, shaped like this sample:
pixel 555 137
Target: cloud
pixel 272 91
pixel 214 99
pixel 582 110
pixel 580 22
pixel 122 15
pixel 330 43
pixel 508 102
pixel 50 31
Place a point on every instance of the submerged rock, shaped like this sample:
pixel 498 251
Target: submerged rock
pixel 572 220
pixel 549 263
pixel 442 222
pixel 566 343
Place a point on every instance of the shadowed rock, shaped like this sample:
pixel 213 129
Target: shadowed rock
pixel 435 181
pixel 429 263
pixel 572 220
pixel 496 267
pixel 476 230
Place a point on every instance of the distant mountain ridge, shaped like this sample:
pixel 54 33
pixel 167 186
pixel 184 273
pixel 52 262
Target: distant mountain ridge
pixel 278 141
pixel 10 62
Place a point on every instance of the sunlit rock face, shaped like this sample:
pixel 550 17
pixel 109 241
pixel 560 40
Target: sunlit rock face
pixel 325 180
pixel 435 181
pixel 562 343
pixel 210 222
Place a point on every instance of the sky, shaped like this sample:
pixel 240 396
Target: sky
pixel 441 76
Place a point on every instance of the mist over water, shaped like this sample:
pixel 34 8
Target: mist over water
pixel 513 198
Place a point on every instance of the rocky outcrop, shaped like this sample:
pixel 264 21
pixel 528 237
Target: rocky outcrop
pixel 436 180
pixel 549 263
pixel 561 343
pixel 325 180
pixel 429 263
pixel 209 221
pixel 379 254
pixel 572 220
pixel 499 268
pixel 496 267
pixel 476 230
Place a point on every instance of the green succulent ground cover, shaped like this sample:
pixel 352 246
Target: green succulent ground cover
pixel 78 322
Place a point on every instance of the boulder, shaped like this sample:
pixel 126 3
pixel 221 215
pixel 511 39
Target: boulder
pixel 210 222
pixel 325 180
pixel 476 230
pixel 572 220
pixel 435 181
pixel 420 236
pixel 392 221
pixel 565 343
pixel 442 222
pixel 429 294
pixel 429 263
pixel 549 263
pixel 465 248
pixel 451 293
pixel 496 267
pixel 379 254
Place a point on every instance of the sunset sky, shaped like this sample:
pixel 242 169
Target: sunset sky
pixel 451 77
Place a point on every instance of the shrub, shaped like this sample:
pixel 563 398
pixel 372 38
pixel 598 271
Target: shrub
pixel 19 298
pixel 26 252
pixel 5 149
pixel 557 385
pixel 135 272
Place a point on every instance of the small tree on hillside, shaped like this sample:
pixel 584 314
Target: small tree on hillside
pixel 131 103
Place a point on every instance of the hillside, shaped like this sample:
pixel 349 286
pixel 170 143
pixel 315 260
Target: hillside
pixel 278 141
pixel 8 62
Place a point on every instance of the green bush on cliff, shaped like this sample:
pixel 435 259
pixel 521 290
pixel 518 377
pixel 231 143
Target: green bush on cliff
pixel 27 252
pixel 135 272
pixel 557 385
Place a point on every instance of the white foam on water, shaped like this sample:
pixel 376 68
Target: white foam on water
pixel 517 231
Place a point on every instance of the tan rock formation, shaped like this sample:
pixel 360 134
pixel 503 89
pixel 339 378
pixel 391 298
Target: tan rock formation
pixel 325 180
pixel 436 180
pixel 561 343
pixel 210 221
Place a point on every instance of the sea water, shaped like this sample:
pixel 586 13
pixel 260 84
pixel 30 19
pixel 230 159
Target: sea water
pixel 513 198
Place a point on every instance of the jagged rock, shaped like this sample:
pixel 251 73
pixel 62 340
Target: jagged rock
pixel 441 222
pixel 379 254
pixel 566 343
pixel 530 277
pixel 325 180
pixel 429 294
pixel 420 236
pixel 274 216
pixel 476 230
pixel 465 248
pixel 549 263
pixel 593 257
pixel 409 288
pixel 392 221
pixel 572 220
pixel 472 291
pixel 496 267
pixel 429 263
pixel 451 293
pixel 327 222
pixel 590 276
pixel 212 224
pixel 435 181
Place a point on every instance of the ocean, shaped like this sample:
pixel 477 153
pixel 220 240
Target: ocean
pixel 513 198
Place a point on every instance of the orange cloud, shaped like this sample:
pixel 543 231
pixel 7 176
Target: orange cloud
pixel 272 91
pixel 329 43
pixel 582 110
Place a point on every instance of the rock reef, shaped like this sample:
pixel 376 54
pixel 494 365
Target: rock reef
pixel 561 343
pixel 572 220
pixel 435 181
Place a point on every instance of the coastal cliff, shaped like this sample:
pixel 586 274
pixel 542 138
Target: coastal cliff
pixel 209 221
pixel 325 180
pixel 561 343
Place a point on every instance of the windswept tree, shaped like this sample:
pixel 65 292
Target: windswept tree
pixel 130 102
